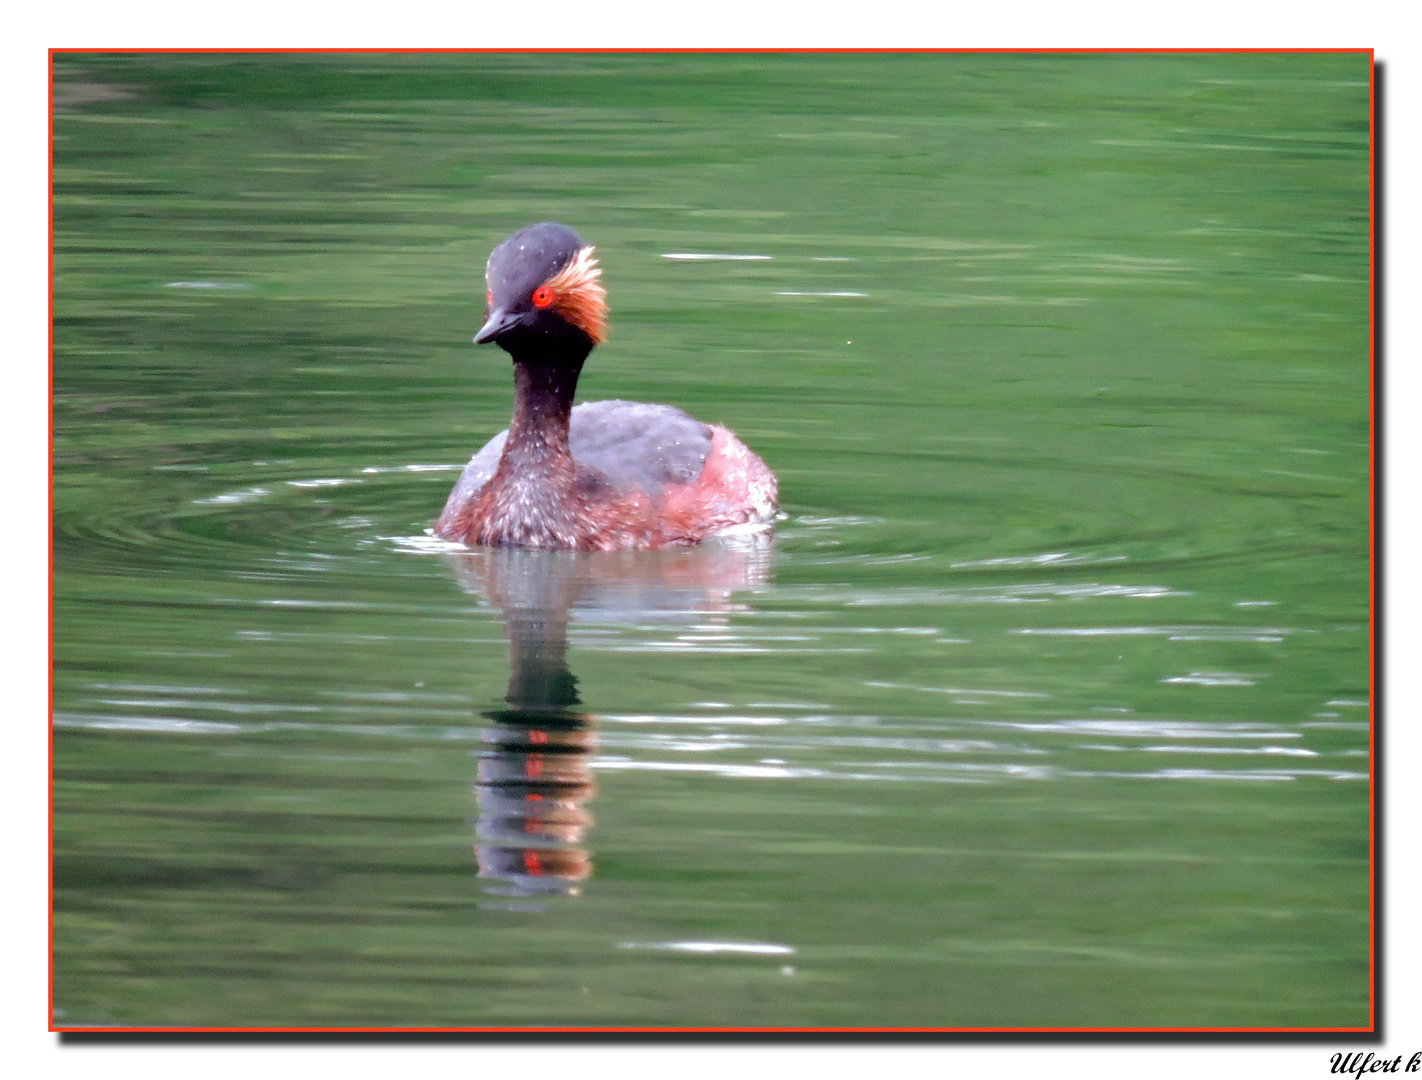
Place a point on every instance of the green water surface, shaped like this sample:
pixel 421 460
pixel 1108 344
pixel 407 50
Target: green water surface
pixel 1047 705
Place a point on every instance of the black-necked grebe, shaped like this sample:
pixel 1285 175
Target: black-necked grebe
pixel 607 475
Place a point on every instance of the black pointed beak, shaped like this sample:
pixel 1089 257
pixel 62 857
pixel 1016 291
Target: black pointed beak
pixel 498 322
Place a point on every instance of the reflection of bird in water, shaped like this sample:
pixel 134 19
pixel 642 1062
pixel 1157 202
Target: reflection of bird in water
pixel 608 475
pixel 533 781
pixel 535 775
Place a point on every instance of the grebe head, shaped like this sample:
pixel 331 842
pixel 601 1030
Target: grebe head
pixel 543 293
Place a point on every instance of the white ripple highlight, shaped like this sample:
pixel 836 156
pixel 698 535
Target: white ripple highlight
pixel 230 497
pixel 1150 729
pixel 1049 558
pixel 1262 634
pixel 956 690
pixel 712 256
pixel 335 481
pixel 751 948
pixel 1211 678
pixel 412 468
pixel 1035 593
pixel 423 545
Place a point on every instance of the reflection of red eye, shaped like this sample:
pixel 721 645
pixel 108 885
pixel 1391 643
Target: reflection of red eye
pixel 542 296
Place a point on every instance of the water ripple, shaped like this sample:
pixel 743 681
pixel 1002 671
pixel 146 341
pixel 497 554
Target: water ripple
pixel 746 947
pixel 1263 634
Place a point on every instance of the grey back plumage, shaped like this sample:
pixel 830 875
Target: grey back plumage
pixel 634 446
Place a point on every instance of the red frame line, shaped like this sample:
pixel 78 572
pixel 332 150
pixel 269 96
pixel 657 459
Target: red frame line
pixel 511 49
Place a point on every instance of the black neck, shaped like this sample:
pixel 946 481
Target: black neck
pixel 543 398
pixel 546 368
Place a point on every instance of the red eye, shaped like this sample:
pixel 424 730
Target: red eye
pixel 542 296
pixel 489 297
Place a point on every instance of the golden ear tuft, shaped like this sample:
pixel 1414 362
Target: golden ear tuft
pixel 578 295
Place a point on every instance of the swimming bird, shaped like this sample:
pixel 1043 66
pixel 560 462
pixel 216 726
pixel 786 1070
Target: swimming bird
pixel 606 475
